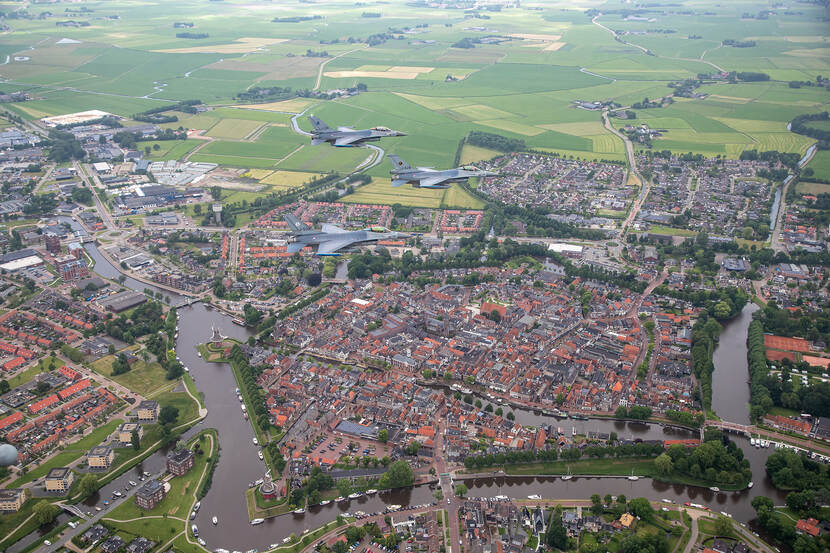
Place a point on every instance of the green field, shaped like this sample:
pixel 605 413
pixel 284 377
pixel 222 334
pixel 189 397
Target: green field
pixel 143 379
pixel 523 87
pixel 820 164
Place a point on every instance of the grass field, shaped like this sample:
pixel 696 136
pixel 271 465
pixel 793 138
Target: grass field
pixel 472 154
pixel 820 164
pixel 813 188
pixel 381 191
pixel 143 379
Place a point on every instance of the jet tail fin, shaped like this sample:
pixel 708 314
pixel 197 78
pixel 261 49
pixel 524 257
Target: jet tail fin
pixel 399 164
pixel 295 224
pixel 318 125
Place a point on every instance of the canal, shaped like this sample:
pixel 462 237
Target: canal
pixel 239 463
pixel 730 381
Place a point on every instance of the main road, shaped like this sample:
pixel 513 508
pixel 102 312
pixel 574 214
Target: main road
pixel 645 188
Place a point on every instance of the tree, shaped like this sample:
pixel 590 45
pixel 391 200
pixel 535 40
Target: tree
pixel 314 279
pixel 4 386
pixel 460 490
pixel 722 310
pixel 88 485
pixel 556 536
pixel 135 440
pixel 168 415
pixel 45 512
pixel 399 475
pixel 511 416
pixel 413 447
pixel 383 435
pixel 723 526
pixel 664 464
pixel 641 507
pixel 596 505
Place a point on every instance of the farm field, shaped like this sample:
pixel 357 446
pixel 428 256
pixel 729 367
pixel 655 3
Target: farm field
pixel 820 164
pixel 523 87
pixel 381 191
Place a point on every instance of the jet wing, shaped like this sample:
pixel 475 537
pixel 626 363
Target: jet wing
pixel 332 229
pixel 399 182
pixel 431 181
pixel 294 247
pixel 331 246
pixel 295 224
pixel 346 140
pixel 317 141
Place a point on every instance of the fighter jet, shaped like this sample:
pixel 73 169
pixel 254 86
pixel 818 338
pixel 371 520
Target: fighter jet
pixel 347 136
pixel 427 177
pixel 331 238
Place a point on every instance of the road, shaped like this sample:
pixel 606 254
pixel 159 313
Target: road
pixel 645 187
pixel 103 212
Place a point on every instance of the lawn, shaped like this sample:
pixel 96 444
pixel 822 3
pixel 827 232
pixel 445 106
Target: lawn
pixel 813 188
pixel 604 467
pixel 472 154
pixel 181 496
pixel 10 521
pixel 660 229
pixel 381 191
pixel 143 379
pixel 71 453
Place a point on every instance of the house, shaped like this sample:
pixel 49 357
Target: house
pixel 626 520
pixel 94 534
pixel 148 410
pixel 100 457
pixel 125 432
pixel 11 501
pixel 140 545
pixel 149 495
pixel 113 544
pixel 59 480
pixel 809 526
pixel 179 462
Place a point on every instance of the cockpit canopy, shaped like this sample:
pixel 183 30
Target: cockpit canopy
pixel 381 129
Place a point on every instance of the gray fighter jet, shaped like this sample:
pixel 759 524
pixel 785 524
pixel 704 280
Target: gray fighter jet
pixel 346 136
pixel 331 238
pixel 427 177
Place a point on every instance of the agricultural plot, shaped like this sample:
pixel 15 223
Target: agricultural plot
pixel 233 128
pixel 820 164
pixel 284 180
pixel 381 191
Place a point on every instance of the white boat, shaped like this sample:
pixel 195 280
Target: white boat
pixel 256 442
pixel 632 477
pixel 750 484
pixel 355 495
pixel 371 491
pixel 325 502
pixel 299 511
pixel 752 442
pixel 714 488
pixel 132 483
pixel 257 521
pixel 573 431
pixel 567 476
pixel 534 496
pixel 259 454
pixel 199 353
pixel 221 550
pixel 500 498
pixel 196 507
pixel 286 540
pixel 214 520
pixel 340 498
pixel 666 500
pixel 392 508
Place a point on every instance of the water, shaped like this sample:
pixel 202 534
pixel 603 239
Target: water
pixel 730 381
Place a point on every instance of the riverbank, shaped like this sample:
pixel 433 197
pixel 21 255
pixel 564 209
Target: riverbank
pixel 602 468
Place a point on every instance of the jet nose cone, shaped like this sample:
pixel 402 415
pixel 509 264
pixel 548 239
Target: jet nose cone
pixel 399 133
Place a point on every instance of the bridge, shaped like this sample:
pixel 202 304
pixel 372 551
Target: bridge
pixel 733 427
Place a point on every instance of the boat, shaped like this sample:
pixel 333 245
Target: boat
pixel 214 520
pixel 501 498
pixel 245 415
pixel 195 530
pixel 714 488
pixel 355 495
pixel 132 483
pixel 221 550
pixel 559 430
pixel 579 417
pixel 325 502
pixel 666 500
pixel 300 511
pixel 632 477
pixel 256 442
pixel 340 498
pixel 567 476
pixel 239 322
pixel 259 454
pixel 534 496
pixel 371 491
pixel 573 431
pixel 286 540
pixel 257 521
pixel 548 413
pixel 750 484
pixel 199 353
pixel 392 508
pixel 752 442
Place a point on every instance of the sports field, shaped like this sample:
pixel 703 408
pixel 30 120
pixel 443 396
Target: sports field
pixel 521 78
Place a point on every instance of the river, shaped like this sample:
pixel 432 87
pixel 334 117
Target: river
pixel 730 381
pixel 239 464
